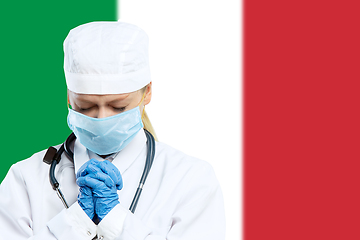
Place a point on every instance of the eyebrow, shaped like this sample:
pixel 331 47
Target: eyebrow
pixel 80 98
pixel 118 100
pixel 84 100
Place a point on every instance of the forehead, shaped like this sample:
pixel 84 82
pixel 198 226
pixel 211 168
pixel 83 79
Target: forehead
pixel 94 98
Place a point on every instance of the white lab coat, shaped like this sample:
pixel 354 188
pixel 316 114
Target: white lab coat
pixel 181 199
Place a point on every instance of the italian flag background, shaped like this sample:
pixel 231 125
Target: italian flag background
pixel 266 91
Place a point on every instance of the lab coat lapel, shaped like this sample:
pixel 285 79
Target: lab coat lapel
pixel 80 155
pixel 128 155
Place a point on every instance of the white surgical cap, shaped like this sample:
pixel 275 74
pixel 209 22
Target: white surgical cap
pixel 106 58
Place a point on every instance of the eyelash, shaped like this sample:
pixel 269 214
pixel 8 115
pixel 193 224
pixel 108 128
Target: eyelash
pixel 120 109
pixel 116 109
pixel 85 109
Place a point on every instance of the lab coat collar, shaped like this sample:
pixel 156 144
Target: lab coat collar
pixel 122 160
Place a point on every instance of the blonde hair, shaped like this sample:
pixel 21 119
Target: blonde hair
pixel 146 121
pixel 148 126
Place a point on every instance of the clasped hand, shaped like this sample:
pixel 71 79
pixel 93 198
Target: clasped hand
pixel 98 182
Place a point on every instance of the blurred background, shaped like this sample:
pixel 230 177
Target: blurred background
pixel 33 98
pixel 195 54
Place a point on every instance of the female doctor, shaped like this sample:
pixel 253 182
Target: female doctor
pixel 108 80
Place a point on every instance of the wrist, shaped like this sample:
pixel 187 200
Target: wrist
pixel 87 209
pixel 102 210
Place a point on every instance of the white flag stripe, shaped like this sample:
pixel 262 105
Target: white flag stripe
pixel 196 67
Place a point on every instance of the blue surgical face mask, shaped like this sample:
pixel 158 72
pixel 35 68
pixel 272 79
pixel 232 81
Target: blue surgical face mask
pixel 106 135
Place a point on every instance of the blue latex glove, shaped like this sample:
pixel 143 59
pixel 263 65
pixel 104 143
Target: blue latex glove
pixel 104 179
pixel 85 196
pixel 98 169
pixel 85 200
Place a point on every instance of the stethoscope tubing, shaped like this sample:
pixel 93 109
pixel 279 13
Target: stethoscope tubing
pixel 53 157
pixel 150 155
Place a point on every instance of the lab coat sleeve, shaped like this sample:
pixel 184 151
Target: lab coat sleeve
pixel 200 214
pixel 16 220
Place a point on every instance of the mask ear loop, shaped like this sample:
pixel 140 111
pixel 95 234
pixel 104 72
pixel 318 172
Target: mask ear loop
pixel 142 99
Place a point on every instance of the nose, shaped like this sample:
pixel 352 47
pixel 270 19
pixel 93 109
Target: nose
pixel 103 112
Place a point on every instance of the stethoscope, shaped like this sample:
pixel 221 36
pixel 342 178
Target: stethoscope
pixel 53 157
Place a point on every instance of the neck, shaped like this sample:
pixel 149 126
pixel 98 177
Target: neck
pixel 105 156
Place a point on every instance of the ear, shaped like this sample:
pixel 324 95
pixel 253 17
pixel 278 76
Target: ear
pixel 148 94
pixel 68 98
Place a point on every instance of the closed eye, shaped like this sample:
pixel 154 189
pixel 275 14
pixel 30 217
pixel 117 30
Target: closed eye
pixel 85 109
pixel 121 109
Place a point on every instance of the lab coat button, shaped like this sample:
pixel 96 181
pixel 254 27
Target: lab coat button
pixel 88 233
pixel 101 238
